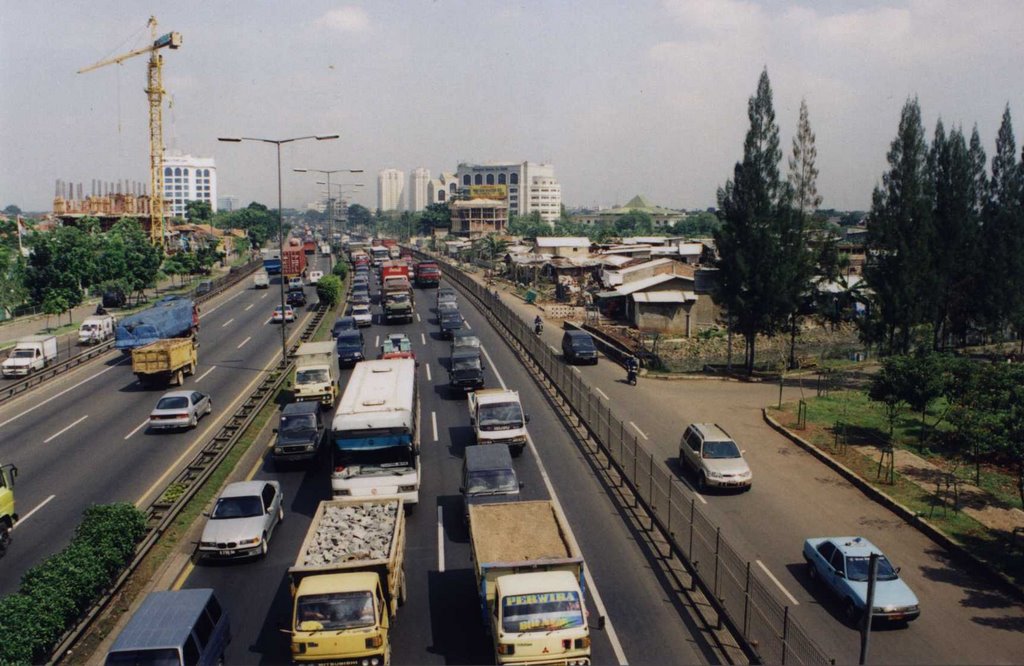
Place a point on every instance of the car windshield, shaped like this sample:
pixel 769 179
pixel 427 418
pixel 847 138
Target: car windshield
pixel 360 311
pixel 312 375
pixel 447 306
pixel 491 481
pixel 176 402
pixel 398 297
pixel 469 363
pixel 466 341
pixel 23 353
pixel 724 449
pixel 348 341
pixel 582 343
pixel 548 611
pixel 297 423
pixel 237 507
pixel 158 657
pixel 501 416
pixel 345 610
pixel 857 568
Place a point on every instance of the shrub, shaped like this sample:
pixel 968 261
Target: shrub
pixel 55 593
pixel 340 269
pixel 328 289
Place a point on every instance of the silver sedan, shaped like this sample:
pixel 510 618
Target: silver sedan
pixel 180 409
pixel 242 520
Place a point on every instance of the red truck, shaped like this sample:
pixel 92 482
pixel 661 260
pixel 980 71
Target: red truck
pixel 428 274
pixel 293 261
pixel 309 246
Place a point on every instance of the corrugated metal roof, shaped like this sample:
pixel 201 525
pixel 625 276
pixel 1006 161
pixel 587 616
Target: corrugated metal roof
pixel 667 296
pixel 563 241
pixel 639 285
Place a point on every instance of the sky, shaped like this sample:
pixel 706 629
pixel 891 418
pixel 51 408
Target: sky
pixel 623 98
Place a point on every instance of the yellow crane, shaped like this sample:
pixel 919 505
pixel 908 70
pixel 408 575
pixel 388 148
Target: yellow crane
pixel 155 93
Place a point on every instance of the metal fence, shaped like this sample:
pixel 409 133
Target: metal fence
pixel 739 591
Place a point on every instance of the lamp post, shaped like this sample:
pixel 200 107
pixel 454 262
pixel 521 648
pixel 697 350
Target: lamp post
pixel 280 218
pixel 330 207
pixel 341 190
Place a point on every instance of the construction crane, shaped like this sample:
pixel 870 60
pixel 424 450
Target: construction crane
pixel 155 93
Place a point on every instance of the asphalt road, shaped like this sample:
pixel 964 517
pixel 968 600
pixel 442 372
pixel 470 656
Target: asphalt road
pixel 964 619
pixel 81 439
pixel 440 622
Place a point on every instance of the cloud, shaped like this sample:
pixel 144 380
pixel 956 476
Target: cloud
pixel 346 19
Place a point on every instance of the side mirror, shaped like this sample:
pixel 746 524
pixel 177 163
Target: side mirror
pixel 526 417
pixel 206 514
pixel 522 485
pixel 897 569
pixel 462 489
pixel 841 574
pixel 600 622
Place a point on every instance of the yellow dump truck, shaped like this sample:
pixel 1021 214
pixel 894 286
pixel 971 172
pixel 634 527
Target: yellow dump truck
pixel 165 361
pixel 529 574
pixel 348 581
pixel 8 516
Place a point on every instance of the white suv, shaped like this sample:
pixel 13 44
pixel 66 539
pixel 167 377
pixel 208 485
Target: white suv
pixel 714 456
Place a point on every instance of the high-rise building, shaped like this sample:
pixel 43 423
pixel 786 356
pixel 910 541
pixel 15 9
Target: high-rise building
pixel 188 178
pixel 228 202
pixel 531 186
pixel 390 189
pixel 418 189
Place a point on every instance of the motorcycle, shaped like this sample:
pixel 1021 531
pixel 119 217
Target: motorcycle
pixel 538 327
pixel 631 377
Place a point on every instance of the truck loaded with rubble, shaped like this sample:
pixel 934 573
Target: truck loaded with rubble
pixel 348 581
pixel 529 574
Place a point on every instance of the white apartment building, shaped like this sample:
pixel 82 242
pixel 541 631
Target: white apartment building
pixel 531 186
pixel 188 178
pixel 390 189
pixel 442 188
pixel 418 189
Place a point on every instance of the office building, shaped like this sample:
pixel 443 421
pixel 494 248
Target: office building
pixel 531 186
pixel 442 188
pixel 418 189
pixel 188 178
pixel 390 189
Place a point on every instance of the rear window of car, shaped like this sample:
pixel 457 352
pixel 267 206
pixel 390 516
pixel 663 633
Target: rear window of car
pixel 172 403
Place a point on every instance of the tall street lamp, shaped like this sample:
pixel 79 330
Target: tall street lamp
pixel 330 207
pixel 341 190
pixel 280 218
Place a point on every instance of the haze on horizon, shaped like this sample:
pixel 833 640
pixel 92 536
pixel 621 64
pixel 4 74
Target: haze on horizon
pixel 623 98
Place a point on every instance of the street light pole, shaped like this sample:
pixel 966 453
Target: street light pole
pixel 280 221
pixel 330 207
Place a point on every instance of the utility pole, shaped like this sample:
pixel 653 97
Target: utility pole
pixel 865 629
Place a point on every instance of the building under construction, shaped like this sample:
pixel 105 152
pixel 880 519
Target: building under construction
pixel 108 201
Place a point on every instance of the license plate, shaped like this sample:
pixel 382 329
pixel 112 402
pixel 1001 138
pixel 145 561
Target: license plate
pixel 227 552
pixel 897 616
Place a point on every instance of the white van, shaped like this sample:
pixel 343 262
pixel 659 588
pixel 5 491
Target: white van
pixel 96 329
pixel 314 276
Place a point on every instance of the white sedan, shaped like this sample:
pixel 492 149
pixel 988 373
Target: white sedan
pixel 289 314
pixel 180 409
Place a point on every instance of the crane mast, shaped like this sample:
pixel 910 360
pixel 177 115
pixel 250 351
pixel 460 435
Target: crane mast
pixel 155 95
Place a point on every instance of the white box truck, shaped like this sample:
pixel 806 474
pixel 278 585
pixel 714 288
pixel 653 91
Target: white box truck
pixel 30 354
pixel 316 372
pixel 497 418
pixel 96 329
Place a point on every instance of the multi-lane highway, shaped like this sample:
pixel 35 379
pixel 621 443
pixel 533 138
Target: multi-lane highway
pixel 441 621
pixel 81 439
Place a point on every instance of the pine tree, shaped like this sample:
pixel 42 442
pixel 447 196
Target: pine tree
pixel 755 272
pixel 899 238
pixel 803 174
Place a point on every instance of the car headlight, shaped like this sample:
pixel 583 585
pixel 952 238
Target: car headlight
pixel 310 447
pixel 406 489
pixel 249 542
pixel 207 544
pixel 715 475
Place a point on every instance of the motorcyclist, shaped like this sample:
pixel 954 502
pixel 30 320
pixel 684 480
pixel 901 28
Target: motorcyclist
pixel 100 310
pixel 538 324
pixel 632 368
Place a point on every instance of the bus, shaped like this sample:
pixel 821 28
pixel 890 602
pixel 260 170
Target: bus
pixel 379 253
pixel 375 434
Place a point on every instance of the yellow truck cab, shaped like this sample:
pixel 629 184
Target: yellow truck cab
pixel 8 516
pixel 342 615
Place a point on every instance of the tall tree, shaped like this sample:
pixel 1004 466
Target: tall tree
pixel 899 238
pixel 803 174
pixel 756 238
pixel 198 211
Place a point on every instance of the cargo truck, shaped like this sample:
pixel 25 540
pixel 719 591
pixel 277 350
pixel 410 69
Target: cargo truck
pixel 30 354
pixel 497 418
pixel 170 317
pixel 165 361
pixel 271 261
pixel 529 576
pixel 348 581
pixel 309 246
pixel 428 274
pixel 8 515
pixel 316 372
pixel 293 261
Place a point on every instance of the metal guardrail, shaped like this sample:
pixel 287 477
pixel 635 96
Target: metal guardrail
pixel 180 490
pixel 737 591
pixel 35 379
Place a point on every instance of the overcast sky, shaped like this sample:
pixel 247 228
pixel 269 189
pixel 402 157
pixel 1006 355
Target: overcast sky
pixel 623 98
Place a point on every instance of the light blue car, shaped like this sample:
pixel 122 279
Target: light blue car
pixel 841 564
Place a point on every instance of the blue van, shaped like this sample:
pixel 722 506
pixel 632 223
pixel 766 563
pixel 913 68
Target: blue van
pixel 179 628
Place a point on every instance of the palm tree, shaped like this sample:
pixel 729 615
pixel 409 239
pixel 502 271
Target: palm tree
pixel 491 246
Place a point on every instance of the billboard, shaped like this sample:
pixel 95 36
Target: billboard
pixel 499 192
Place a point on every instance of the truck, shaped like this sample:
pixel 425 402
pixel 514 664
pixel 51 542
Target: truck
pixel 30 354
pixel 166 361
pixel 428 274
pixel 271 261
pixel 497 418
pixel 348 582
pixel 170 317
pixel 309 246
pixel 8 514
pixel 325 249
pixel 316 372
pixel 529 577
pixel 293 261
pixel 261 279
pixel 96 329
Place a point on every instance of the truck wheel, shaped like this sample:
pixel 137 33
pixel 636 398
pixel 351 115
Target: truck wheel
pixel 179 377
pixel 517 451
pixel 190 370
pixel 403 593
pixel 702 483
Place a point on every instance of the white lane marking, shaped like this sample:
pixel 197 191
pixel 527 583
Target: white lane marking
pixel 777 583
pixel 137 428
pixel 200 377
pixel 227 322
pixel 64 430
pixel 21 521
pixel 467 324
pixel 242 343
pixel 423 338
pixel 70 388
pixel 248 307
pixel 215 307
pixel 418 317
pixel 552 348
pixel 440 539
pixel 613 637
pixel 263 296
pixel 429 378
pixel 376 341
pixel 603 394
pixel 638 430
pixel 433 422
